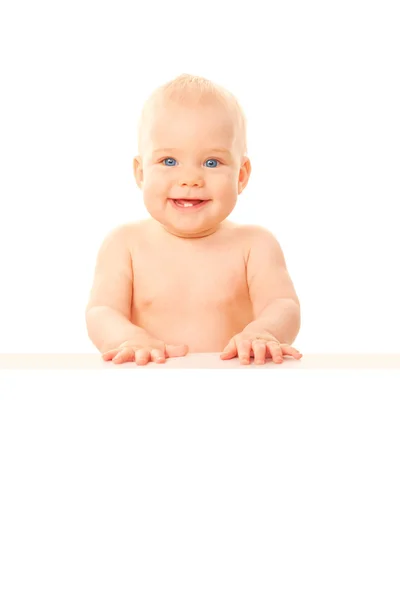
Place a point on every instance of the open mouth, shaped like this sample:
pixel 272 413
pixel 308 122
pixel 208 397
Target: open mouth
pixel 187 205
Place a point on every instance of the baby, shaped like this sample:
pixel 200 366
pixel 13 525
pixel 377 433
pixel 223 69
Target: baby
pixel 187 279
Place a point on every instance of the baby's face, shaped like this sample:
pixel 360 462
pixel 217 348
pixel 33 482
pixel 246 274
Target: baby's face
pixel 191 153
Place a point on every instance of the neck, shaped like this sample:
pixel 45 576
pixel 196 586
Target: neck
pixel 191 235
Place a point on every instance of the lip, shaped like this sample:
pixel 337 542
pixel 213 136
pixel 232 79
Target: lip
pixel 188 209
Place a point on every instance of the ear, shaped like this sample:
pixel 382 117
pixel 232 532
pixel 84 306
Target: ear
pixel 244 174
pixel 138 170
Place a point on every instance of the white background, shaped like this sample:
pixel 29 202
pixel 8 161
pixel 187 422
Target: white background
pixel 131 484
pixel 319 83
pixel 227 485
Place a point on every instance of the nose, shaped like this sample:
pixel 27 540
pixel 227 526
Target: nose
pixel 191 180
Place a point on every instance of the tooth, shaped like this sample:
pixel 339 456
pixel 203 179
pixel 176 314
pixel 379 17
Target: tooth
pixel 187 204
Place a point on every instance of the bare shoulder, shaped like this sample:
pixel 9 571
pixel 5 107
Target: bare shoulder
pixel 116 248
pixel 126 235
pixel 241 231
pixel 259 242
pixel 132 228
pixel 256 232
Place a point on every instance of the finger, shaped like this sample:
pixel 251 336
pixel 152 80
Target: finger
pixel 157 356
pixel 173 351
pixel 259 350
pixel 276 352
pixel 244 348
pixel 125 355
pixel 142 356
pixel 110 354
pixel 286 349
pixel 230 350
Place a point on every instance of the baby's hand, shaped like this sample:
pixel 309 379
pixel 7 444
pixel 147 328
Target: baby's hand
pixel 261 346
pixel 144 349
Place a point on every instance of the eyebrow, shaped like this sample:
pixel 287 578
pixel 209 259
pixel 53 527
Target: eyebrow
pixel 221 150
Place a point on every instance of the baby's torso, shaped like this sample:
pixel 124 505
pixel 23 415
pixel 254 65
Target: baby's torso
pixel 190 291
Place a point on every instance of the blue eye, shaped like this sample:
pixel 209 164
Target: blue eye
pixel 168 159
pixel 212 160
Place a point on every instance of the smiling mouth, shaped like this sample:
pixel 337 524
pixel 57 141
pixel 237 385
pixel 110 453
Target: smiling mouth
pixel 186 205
pixel 187 202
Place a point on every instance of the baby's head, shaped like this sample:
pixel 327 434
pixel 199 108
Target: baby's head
pixel 192 145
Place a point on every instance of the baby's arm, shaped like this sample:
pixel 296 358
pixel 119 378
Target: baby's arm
pixel 109 308
pixel 276 306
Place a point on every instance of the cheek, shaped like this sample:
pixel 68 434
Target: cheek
pixel 225 184
pixel 160 179
pixel 154 181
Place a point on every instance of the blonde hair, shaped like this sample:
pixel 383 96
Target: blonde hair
pixel 194 90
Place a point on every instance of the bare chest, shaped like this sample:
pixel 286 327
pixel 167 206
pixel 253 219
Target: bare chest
pixel 188 282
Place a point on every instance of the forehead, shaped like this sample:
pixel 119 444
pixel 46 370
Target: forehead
pixel 184 125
